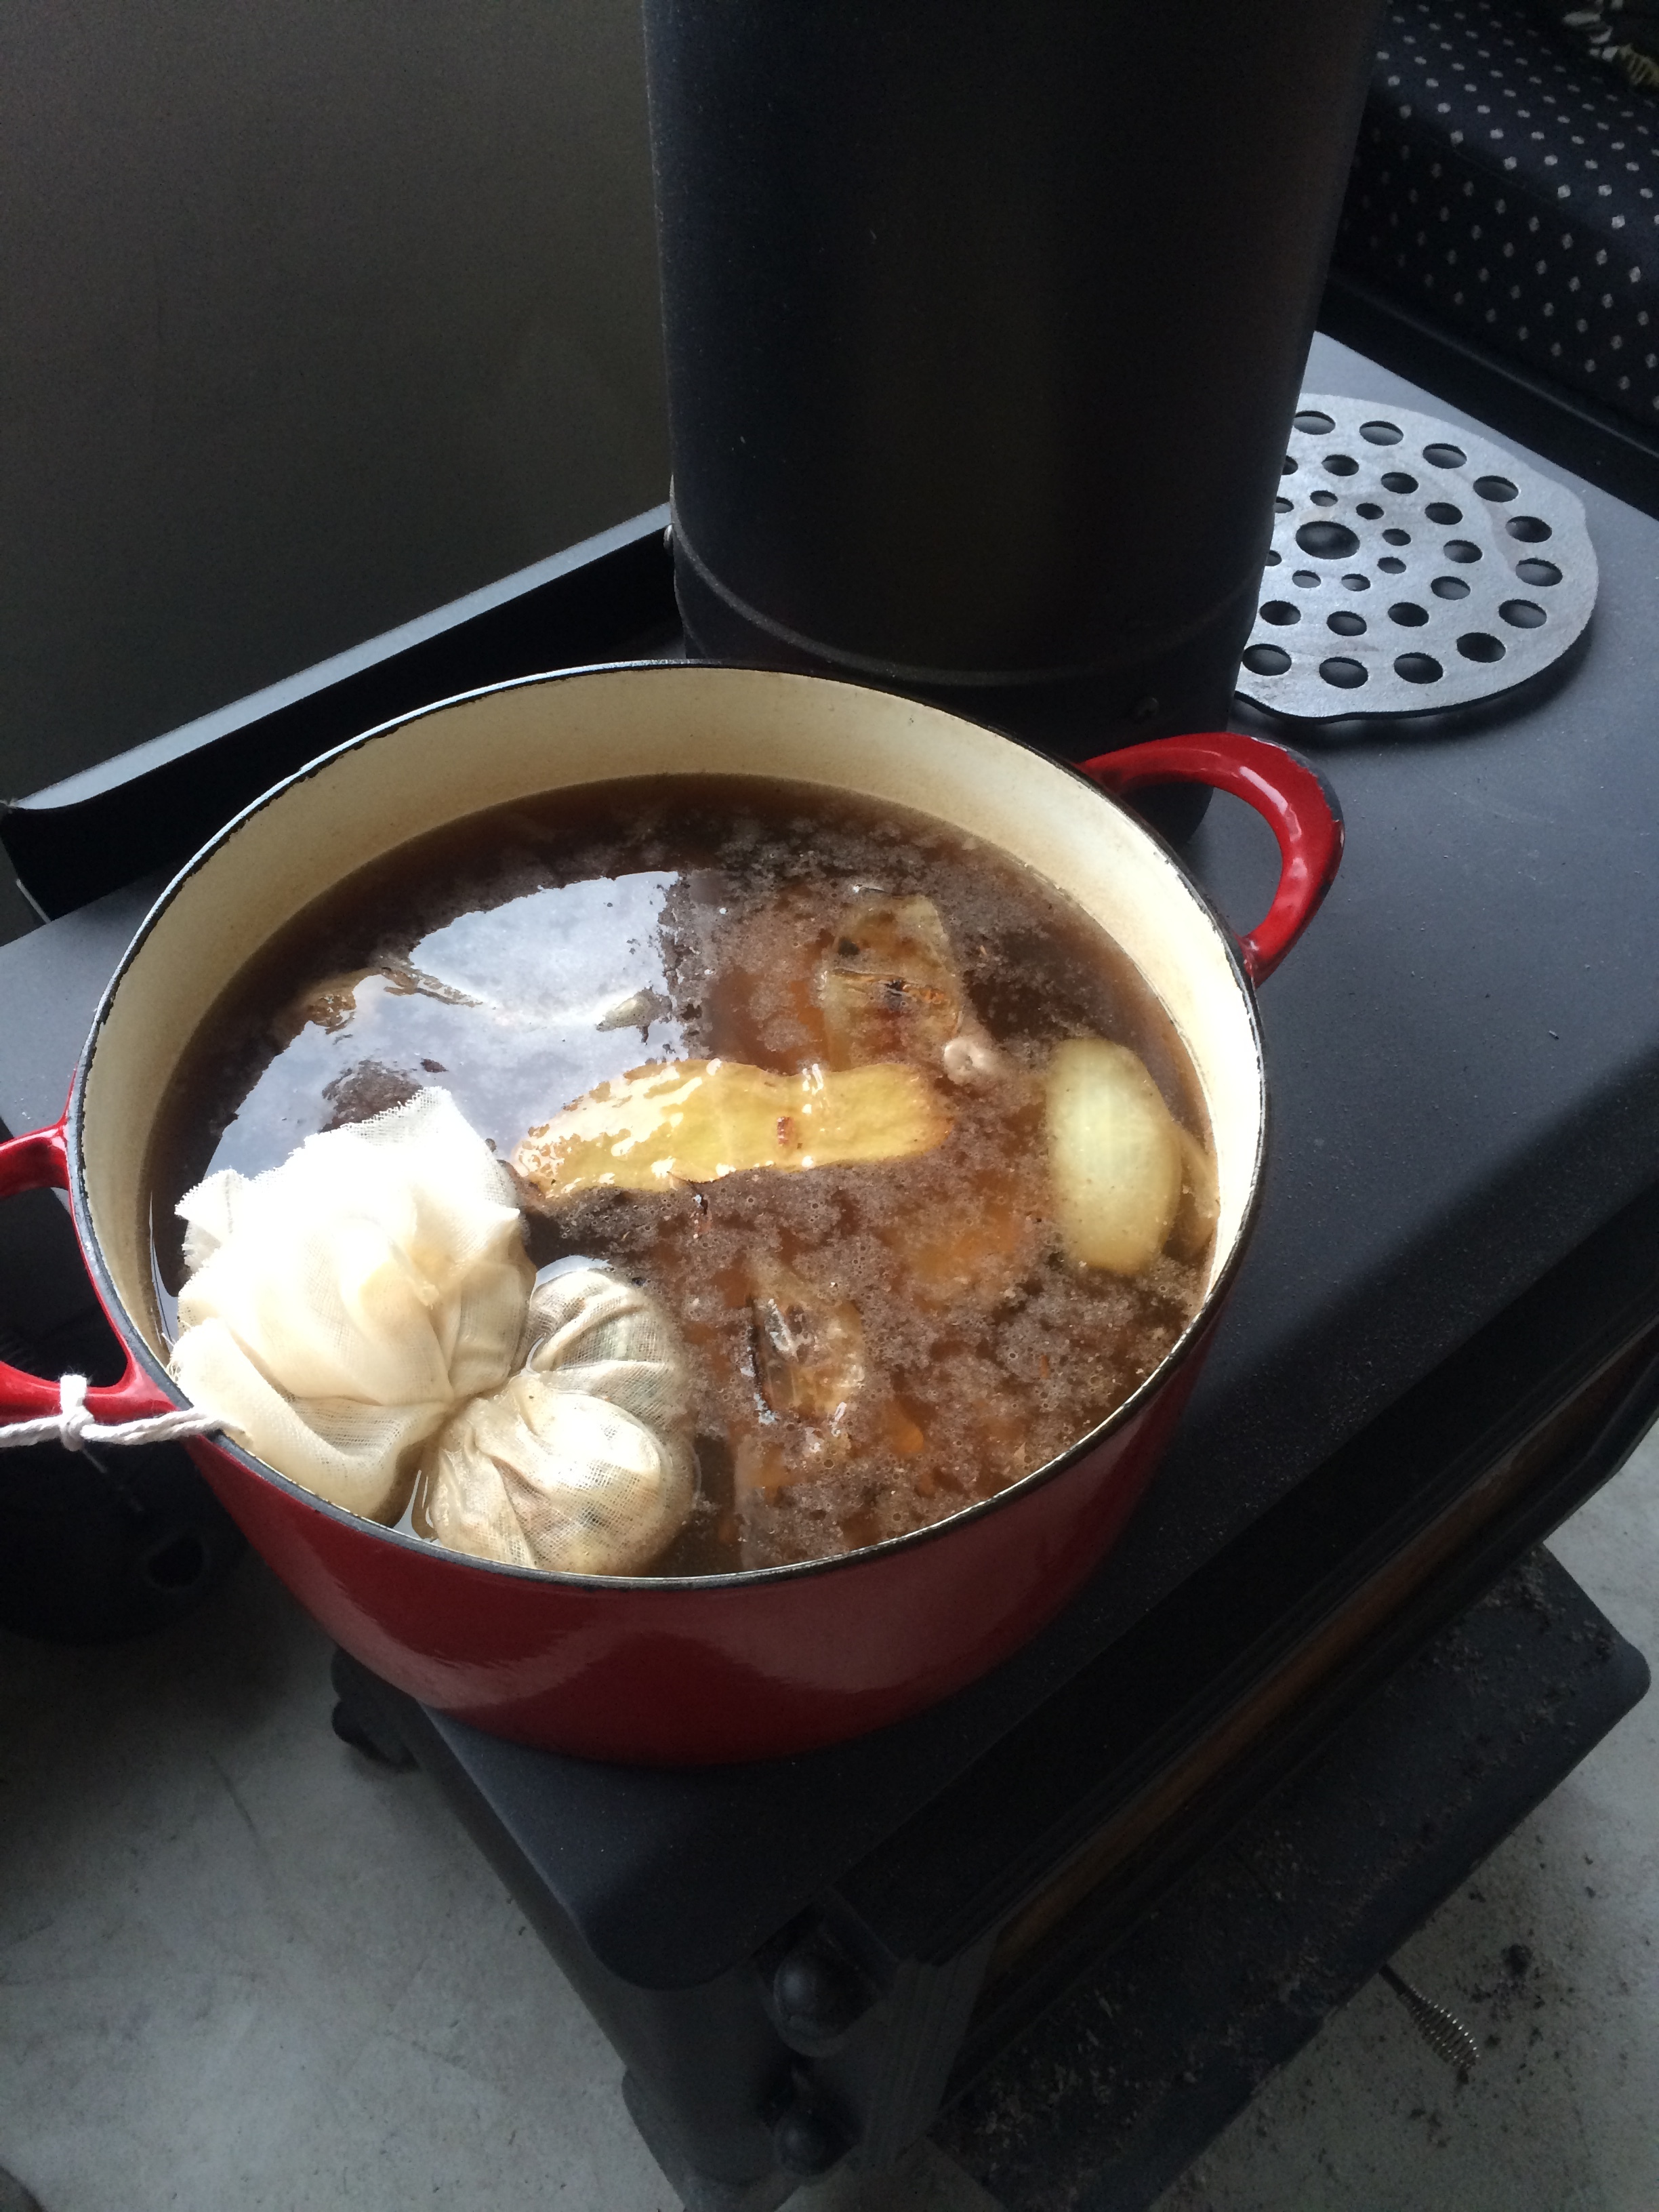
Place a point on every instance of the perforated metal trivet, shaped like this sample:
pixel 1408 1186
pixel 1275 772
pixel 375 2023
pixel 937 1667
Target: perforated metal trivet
pixel 1414 567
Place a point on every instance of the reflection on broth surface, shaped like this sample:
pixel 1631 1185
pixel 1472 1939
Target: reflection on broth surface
pixel 812 1076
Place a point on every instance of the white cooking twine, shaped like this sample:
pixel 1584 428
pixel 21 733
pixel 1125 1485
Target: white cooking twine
pixel 74 1426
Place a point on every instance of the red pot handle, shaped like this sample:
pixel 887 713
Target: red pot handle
pixel 40 1162
pixel 1287 792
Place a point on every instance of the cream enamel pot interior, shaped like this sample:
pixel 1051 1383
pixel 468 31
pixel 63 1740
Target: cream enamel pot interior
pixel 765 1663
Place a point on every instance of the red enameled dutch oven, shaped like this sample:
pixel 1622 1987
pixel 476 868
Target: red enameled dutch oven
pixel 733 1666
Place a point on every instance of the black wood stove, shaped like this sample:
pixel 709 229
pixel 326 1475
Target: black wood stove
pixel 1327 1670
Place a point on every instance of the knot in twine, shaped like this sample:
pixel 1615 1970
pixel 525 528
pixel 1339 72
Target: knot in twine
pixel 74 1425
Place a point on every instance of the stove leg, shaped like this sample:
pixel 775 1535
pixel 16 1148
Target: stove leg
pixel 358 1720
pixel 698 2192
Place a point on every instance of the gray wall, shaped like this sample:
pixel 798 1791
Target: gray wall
pixel 313 314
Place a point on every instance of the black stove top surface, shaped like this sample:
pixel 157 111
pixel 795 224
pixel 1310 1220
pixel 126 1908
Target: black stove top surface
pixel 1463 1057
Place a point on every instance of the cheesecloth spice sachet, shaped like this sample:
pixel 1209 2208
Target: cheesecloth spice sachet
pixel 339 1305
pixel 581 1463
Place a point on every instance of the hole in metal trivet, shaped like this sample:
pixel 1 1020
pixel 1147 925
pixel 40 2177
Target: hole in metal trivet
pixel 1459 549
pixel 1538 572
pixel 1322 498
pixel 1306 578
pixel 1530 529
pixel 1396 538
pixel 1449 587
pixel 1444 457
pixel 1408 614
pixel 1523 613
pixel 1479 645
pixel 1328 541
pixel 1313 423
pixel 1266 659
pixel 1357 583
pixel 1495 488
pixel 1280 611
pixel 1341 465
pixel 1391 565
pixel 1443 510
pixel 1397 480
pixel 1287 466
pixel 1369 509
pixel 1418 667
pixel 1381 433
pixel 1346 675
pixel 1346 624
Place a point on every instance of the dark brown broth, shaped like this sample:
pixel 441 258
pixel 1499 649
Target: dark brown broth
pixel 564 941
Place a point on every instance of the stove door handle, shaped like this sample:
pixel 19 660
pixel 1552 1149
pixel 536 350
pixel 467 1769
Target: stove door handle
pixel 40 1162
pixel 1288 793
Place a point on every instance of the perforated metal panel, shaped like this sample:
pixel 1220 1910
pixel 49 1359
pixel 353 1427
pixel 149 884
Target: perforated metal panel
pixel 1414 567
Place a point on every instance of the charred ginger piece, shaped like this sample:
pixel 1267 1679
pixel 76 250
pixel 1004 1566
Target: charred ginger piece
pixel 694 1121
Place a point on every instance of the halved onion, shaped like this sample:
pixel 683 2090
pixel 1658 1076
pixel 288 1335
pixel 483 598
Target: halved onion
pixel 1200 1200
pixel 1115 1156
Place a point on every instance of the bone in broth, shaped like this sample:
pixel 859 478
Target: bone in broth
pixel 828 1091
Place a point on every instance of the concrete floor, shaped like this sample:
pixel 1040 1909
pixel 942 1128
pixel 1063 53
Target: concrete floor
pixel 240 1969
pixel 1550 1957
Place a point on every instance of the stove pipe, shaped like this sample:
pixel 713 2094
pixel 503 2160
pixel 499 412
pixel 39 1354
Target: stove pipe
pixel 985 320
